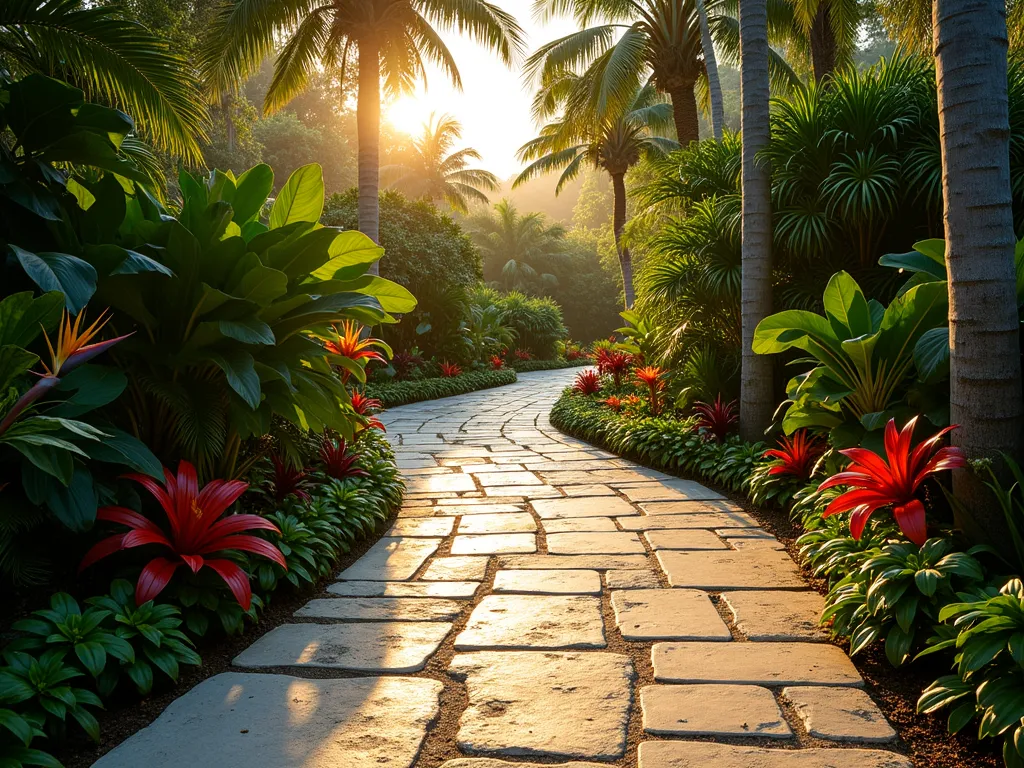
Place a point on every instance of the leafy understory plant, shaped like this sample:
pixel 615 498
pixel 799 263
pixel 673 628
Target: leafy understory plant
pixel 40 688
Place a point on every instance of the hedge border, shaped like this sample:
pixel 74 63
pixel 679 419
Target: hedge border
pixel 529 366
pixel 395 393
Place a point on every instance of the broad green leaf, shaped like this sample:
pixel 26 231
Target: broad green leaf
pixel 931 355
pixel 392 296
pixel 91 386
pixel 247 330
pixel 75 278
pixel 846 308
pixel 23 317
pixel 76 504
pixel 119 447
pixel 14 362
pixel 907 318
pixel 351 253
pixel 251 192
pixel 239 368
pixel 301 198
pixel 916 262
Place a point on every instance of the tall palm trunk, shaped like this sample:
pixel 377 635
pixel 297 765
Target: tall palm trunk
pixel 756 390
pixel 985 374
pixel 823 43
pixel 619 224
pixel 711 66
pixel 684 112
pixel 368 137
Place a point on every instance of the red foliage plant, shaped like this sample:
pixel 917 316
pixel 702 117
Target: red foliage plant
pixel 650 377
pixel 716 418
pixel 523 354
pixel 365 406
pixel 196 531
pixel 287 480
pixel 497 363
pixel 587 382
pixel 613 402
pixel 338 461
pixel 614 363
pixel 349 342
pixel 404 363
pixel 795 455
pixel 450 370
pixel 876 482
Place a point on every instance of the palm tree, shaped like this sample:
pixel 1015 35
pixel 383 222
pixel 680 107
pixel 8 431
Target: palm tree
pixel 434 172
pixel 711 70
pixel 613 143
pixel 830 30
pixel 515 247
pixel 112 59
pixel 390 38
pixel 985 371
pixel 756 391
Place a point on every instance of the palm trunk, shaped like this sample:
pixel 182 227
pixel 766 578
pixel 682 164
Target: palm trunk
pixel 823 43
pixel 756 390
pixel 619 224
pixel 985 372
pixel 684 111
pixel 711 67
pixel 368 137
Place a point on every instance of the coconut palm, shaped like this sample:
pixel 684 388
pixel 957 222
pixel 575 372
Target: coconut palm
pixel 392 39
pixel 613 143
pixel 757 398
pixel 434 172
pixel 515 248
pixel 711 70
pixel 112 59
pixel 985 371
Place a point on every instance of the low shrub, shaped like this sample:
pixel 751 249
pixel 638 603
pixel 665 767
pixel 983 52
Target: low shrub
pixel 395 393
pixel 527 366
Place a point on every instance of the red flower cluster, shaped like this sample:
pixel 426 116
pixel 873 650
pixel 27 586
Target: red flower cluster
pixel 287 480
pixel 650 376
pixel 587 382
pixel 718 418
pixel 450 370
pixel 797 454
pixel 524 355
pixel 614 363
pixel 365 406
pixel 338 462
pixel 613 402
pixel 497 363
pixel 349 343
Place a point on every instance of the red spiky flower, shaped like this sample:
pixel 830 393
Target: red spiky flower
pixel 497 363
pixel 287 480
pixel 614 363
pixel 338 461
pixel 523 354
pixel 651 377
pixel 365 406
pixel 349 342
pixel 450 370
pixel 196 531
pixel 716 418
pixel 587 382
pixel 613 402
pixel 796 455
pixel 892 481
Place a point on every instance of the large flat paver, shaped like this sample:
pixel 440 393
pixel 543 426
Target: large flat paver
pixel 533 621
pixel 380 609
pixel 247 720
pixel 579 524
pixel 730 570
pixel 452 590
pixel 700 754
pixel 426 527
pixel 600 543
pixel 545 704
pixel 494 543
pixel 586 562
pixel 429 484
pixel 689 538
pixel 516 522
pixel 840 714
pixel 754 664
pixel 461 568
pixel 548 582
pixel 396 646
pixel 632 579
pixel 391 559
pixel 710 520
pixel 598 506
pixel 768 615
pixel 712 710
pixel 667 614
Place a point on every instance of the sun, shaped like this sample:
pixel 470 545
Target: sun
pixel 407 114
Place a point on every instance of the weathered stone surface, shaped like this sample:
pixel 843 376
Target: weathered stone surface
pixel 689 507
pixel 508 478
pixel 687 538
pixel 545 704
pixel 391 559
pixel 599 506
pixel 472 568
pixel 523 491
pixel 712 710
pixel 651 491
pixel 494 543
pixel 586 562
pixel 680 521
pixel 766 615
pixel 454 482
pixel 631 579
pixel 764 545
pixel 617 543
pixel 577 524
pixel 459 590
pixel 482 506
pixel 753 664
pixel 380 609
pixel 515 522
pixel 702 754
pixel 754 569
pixel 369 647
pixel 423 527
pixel 588 490
pixel 249 720
pixel 533 621
pixel 549 582
pixel 840 714
pixel 667 614
pixel 745 533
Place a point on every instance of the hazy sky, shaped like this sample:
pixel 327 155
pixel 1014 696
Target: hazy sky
pixel 494 104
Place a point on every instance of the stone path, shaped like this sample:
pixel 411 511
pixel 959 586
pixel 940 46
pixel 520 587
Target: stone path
pixel 538 599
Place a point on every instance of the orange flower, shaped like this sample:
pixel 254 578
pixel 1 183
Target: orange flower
pixel 73 347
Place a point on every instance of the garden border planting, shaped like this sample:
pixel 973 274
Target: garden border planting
pixel 395 393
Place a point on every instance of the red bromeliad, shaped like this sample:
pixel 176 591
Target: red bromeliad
pixel 650 376
pixel 796 456
pixel 288 480
pixel 338 461
pixel 364 406
pixel 497 363
pixel 523 354
pixel 196 530
pixel 450 370
pixel 350 343
pixel 718 418
pixel 613 402
pixel 892 481
pixel 614 363
pixel 587 382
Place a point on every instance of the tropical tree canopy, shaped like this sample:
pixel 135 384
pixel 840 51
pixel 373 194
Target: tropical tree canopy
pixel 515 248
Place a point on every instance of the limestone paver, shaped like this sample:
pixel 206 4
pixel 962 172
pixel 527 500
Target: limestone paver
pixel 494 543
pixel 549 582
pixel 423 527
pixel 631 579
pixel 248 720
pixel 583 507
pixel 478 507
pixel 712 710
pixel 754 664
pixel 508 478
pixel 777 615
pixel 690 520
pixel 440 483
pixel 840 714
pixel 381 609
pixel 573 705
pixel 689 507
pixel 586 562
pixel 515 522
pixel 652 492
pixel 765 545
pixel 588 490
pixel 687 538
pixel 458 590
pixel 464 568
pixel 523 491
pixel 579 525
pixel 618 543
pixel 667 614
pixel 700 754
pixel 391 559
pixel 533 621
pixel 396 646
pixel 753 569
